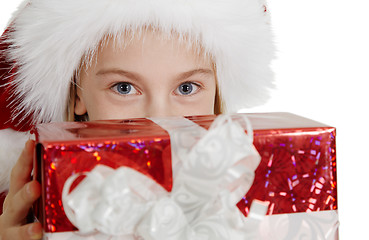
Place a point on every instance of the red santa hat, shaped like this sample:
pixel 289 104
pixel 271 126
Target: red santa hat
pixel 43 46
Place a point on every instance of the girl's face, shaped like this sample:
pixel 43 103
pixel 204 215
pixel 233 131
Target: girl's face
pixel 150 77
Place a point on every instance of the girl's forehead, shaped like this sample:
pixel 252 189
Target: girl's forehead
pixel 153 39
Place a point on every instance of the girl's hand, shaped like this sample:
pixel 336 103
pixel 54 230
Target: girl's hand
pixel 22 194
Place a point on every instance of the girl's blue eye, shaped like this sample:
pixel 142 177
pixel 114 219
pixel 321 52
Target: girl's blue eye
pixel 187 88
pixel 124 88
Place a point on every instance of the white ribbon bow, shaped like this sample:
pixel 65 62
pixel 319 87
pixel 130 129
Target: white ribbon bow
pixel 214 175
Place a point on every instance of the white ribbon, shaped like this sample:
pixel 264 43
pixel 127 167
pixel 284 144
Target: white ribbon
pixel 213 175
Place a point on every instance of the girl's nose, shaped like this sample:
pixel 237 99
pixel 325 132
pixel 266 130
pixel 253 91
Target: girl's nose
pixel 159 107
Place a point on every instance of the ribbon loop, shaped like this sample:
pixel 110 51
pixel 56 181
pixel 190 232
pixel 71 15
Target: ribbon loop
pixel 214 174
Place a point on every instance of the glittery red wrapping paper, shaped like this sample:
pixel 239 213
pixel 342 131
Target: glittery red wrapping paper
pixel 297 172
pixel 139 144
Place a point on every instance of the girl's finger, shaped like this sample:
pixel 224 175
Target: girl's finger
pixel 18 206
pixel 21 172
pixel 31 231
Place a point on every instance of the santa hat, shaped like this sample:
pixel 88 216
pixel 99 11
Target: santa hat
pixel 43 46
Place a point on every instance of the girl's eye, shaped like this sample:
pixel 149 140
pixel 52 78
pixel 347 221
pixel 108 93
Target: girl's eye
pixel 124 88
pixel 187 88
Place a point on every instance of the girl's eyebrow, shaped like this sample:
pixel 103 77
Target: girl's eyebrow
pixel 194 72
pixel 119 72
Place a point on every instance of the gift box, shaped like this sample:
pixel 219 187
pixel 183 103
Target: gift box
pixel 292 195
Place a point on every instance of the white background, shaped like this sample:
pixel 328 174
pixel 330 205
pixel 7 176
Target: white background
pixel 322 72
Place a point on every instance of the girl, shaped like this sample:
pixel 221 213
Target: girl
pixel 67 60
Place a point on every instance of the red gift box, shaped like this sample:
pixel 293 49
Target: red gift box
pixel 296 175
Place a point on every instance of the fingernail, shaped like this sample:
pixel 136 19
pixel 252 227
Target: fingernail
pixel 26 146
pixel 28 189
pixel 34 232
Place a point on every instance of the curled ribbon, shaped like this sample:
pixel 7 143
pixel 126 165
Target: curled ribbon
pixel 214 175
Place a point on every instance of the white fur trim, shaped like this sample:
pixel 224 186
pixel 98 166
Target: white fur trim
pixel 11 146
pixel 51 36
